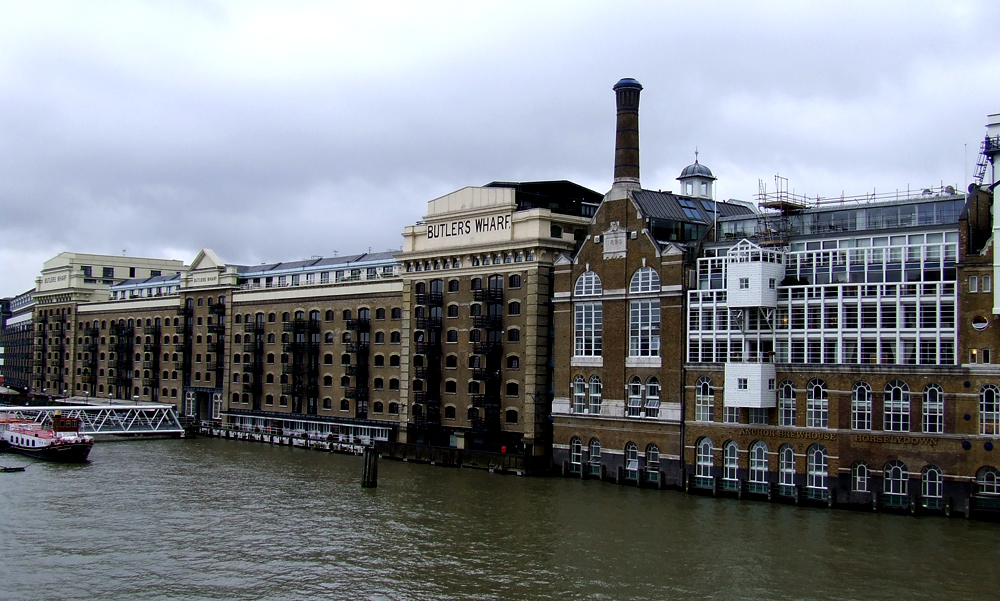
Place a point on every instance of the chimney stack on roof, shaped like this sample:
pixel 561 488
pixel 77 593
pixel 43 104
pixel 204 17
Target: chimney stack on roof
pixel 627 132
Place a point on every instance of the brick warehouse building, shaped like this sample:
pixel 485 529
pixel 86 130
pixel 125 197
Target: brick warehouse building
pixel 835 353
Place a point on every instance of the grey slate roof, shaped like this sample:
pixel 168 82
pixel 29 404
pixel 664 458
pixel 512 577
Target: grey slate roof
pixel 666 205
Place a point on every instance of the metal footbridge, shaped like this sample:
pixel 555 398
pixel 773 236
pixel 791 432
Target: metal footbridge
pixel 131 419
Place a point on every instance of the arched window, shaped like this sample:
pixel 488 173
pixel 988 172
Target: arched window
pixel 931 482
pixel 817 466
pixel 510 416
pixel 786 469
pixel 579 395
pixel 634 407
pixel 933 409
pixel 704 400
pixel 652 397
pixel 595 457
pixel 575 455
pixel 645 280
pixel 730 465
pixel 595 395
pixel 588 284
pixel 449 412
pixel 896 407
pixel 989 410
pixel 758 466
pixel 631 461
pixel 652 463
pixel 327 380
pixel 703 462
pixel 512 389
pixel 328 359
pixel 817 404
pixel 988 481
pixel 786 403
pixel 861 406
pixel 513 308
pixel 859 477
pixel 895 479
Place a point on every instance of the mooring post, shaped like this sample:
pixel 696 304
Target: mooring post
pixel 369 470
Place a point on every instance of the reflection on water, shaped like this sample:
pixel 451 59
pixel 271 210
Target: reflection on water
pixel 215 519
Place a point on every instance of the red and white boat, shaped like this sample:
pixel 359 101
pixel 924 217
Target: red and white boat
pixel 60 442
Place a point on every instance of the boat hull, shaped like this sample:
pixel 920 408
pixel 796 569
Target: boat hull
pixel 76 452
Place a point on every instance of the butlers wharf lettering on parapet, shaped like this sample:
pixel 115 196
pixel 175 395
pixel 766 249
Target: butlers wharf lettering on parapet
pixel 874 438
pixel 469 226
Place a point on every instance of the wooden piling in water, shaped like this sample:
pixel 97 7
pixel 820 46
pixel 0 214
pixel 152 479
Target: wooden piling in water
pixel 369 470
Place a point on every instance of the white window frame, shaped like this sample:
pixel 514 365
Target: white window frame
pixel 588 329
pixel 861 406
pixel 817 404
pixel 933 409
pixel 896 407
pixel 644 328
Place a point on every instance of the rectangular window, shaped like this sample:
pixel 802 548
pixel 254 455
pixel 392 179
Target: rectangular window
pixel 371 273
pixel 310 279
pixel 973 283
pixel 744 283
pixel 295 279
pixel 742 383
pixel 644 328
pixel 772 283
pixel 108 272
pixel 324 278
pixel 987 283
pixel 986 355
pixel 588 324
pixel 758 417
pixel 732 415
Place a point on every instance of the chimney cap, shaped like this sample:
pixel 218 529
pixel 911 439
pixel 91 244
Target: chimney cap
pixel 627 82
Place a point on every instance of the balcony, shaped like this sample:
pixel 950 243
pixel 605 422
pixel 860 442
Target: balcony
pixel 149 364
pixel 487 295
pixel 428 348
pixel 301 325
pixel 489 322
pixel 484 348
pixel 484 375
pixel 253 366
pixel 153 347
pixel 359 393
pixel 357 347
pixel 217 309
pixel 358 325
pixel 254 327
pixel 217 328
pixel 92 332
pixel 253 346
pixel 185 311
pixel 88 379
pixel 428 323
pixel 150 382
pixel 153 330
pixel 433 299
pixel 427 397
pixel 252 387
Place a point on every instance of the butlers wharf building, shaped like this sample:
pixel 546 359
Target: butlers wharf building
pixel 832 352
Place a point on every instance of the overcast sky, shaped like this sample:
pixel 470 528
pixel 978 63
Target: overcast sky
pixel 275 131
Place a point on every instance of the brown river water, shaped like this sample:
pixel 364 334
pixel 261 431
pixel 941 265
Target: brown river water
pixel 217 519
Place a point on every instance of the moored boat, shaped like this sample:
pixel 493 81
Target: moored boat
pixel 61 441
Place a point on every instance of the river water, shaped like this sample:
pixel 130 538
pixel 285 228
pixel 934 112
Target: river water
pixel 218 519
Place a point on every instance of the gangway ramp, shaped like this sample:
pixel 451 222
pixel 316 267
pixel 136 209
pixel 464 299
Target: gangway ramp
pixel 130 419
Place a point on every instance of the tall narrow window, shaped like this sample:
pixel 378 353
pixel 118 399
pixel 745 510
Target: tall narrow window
pixel 575 455
pixel 817 404
pixel 859 477
pixel 730 464
pixel 758 464
pixel 989 410
pixel 896 407
pixel 588 317
pixel 786 469
pixel 595 457
pixel 652 397
pixel 634 407
pixel 861 407
pixel 644 328
pixel 786 404
pixel 895 479
pixel 931 483
pixel 703 400
pixel 631 461
pixel 933 409
pixel 816 468
pixel 703 461
pixel 595 395
pixel 579 394
pixel 652 463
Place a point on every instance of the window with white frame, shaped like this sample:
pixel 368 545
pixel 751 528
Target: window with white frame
pixel 786 466
pixel 859 477
pixel 896 407
pixel 579 394
pixel 595 395
pixel 744 283
pixel 742 383
pixel 588 284
pixel 931 483
pixel 988 481
pixel 973 283
pixel 631 461
pixel 575 454
pixel 644 280
pixel 652 459
pixel 703 458
pixel 933 409
pixel 786 404
pixel 817 404
pixel 895 479
pixel 817 466
pixel 989 410
pixel 588 329
pixel 730 461
pixel 634 407
pixel 704 400
pixel 652 404
pixel 758 463
pixel 861 406
pixel 595 457
pixel 731 415
pixel 644 328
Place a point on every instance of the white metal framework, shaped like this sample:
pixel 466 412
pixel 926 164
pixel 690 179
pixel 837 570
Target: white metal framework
pixel 107 419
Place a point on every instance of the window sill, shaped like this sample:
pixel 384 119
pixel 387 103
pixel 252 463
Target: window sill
pixel 587 361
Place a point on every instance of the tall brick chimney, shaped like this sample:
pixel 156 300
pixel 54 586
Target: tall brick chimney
pixel 627 133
